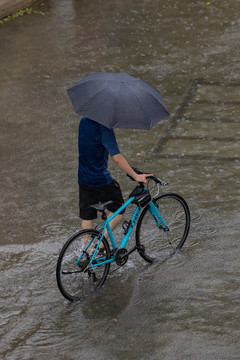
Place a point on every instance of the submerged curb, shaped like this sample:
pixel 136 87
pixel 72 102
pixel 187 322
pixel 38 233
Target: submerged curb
pixel 8 7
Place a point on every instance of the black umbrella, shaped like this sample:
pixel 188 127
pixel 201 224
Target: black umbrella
pixel 118 100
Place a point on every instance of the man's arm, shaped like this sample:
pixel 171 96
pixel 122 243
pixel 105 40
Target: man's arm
pixel 123 164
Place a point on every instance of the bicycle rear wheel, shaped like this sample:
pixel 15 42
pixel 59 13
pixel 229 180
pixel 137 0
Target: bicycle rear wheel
pixel 77 281
pixel 153 241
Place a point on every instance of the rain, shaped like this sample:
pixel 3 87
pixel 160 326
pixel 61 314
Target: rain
pixel 186 307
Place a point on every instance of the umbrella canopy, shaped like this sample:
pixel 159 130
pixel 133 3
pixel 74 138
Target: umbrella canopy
pixel 118 100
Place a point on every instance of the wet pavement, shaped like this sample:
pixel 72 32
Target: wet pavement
pixel 185 308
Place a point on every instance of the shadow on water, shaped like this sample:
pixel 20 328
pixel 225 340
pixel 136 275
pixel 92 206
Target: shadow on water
pixel 186 307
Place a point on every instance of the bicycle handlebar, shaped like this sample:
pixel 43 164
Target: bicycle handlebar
pixel 154 178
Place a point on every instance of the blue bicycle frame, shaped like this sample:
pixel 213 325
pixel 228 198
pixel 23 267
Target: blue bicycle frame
pixel 105 226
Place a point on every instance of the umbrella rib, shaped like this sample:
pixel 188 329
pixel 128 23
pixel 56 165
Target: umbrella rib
pixel 139 102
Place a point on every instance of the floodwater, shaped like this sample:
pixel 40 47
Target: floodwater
pixel 186 307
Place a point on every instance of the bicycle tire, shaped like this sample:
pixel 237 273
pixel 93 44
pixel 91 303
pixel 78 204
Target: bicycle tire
pixel 153 242
pixel 77 282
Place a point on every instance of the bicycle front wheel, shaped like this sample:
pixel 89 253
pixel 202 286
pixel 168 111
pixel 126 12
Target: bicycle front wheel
pixel 152 240
pixel 76 278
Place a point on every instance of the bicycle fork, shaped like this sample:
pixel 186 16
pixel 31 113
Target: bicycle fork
pixel 157 217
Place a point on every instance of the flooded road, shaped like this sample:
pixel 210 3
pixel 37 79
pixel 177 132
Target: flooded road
pixel 186 307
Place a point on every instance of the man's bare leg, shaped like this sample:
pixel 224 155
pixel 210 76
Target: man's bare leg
pixel 114 223
pixel 88 224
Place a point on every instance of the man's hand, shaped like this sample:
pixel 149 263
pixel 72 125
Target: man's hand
pixel 142 178
pixel 123 164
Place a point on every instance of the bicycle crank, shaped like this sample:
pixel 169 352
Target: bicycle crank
pixel 121 257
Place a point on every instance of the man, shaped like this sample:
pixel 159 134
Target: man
pixel 95 143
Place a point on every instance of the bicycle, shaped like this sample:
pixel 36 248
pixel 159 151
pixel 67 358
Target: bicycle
pixel 162 226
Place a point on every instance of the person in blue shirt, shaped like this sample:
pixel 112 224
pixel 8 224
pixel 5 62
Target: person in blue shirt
pixel 95 143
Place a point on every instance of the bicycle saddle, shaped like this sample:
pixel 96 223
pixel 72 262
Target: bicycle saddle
pixel 102 206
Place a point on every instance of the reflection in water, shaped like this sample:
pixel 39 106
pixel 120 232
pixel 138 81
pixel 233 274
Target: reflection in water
pixel 185 307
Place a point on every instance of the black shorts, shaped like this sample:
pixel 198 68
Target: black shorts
pixel 94 195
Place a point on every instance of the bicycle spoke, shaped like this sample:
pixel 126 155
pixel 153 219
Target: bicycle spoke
pixel 75 276
pixel 158 243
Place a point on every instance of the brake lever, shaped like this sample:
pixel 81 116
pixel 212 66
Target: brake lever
pixel 161 182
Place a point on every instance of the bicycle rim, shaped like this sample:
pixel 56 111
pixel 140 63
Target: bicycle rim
pixel 78 281
pixel 154 242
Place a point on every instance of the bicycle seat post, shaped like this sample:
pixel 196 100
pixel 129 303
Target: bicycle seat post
pixel 104 215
